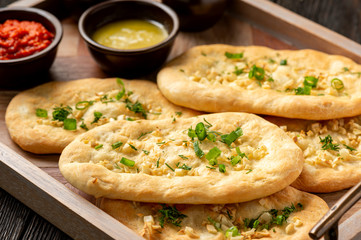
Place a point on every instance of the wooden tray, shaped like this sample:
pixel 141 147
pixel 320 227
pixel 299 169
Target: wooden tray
pixel 35 179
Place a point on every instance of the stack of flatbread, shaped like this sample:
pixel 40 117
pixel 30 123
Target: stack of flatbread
pixel 199 163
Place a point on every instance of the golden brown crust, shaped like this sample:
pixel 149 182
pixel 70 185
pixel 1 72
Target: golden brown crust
pixel 326 170
pixel 198 80
pixel 274 161
pixel 132 215
pixel 42 135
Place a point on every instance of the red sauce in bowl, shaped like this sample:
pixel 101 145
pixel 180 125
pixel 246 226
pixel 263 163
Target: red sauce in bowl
pixel 22 38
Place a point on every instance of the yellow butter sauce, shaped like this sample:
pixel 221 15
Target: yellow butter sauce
pixel 130 34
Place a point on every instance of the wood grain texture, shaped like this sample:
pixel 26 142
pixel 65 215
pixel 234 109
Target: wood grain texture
pixel 73 62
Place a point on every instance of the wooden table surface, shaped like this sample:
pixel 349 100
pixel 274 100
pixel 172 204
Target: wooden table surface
pixel 19 222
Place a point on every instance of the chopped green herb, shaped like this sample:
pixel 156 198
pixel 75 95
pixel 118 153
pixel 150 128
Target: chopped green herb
pixel 215 224
pixel 198 150
pixel 129 119
pixel 337 84
pixel 70 124
pixel 122 92
pixel 97 116
pixel 256 72
pixel 233 55
pixel 134 148
pixel 203 54
pixel 116 145
pixel 181 70
pixel 105 99
pixel 303 91
pixel 283 62
pixel 212 156
pixel 183 157
pixel 210 167
pixel 178 114
pixel 41 113
pixel 327 143
pixel 222 168
pixel 127 162
pixel 171 215
pixel 136 107
pixel 83 126
pixel 143 134
pixel 192 133
pixel 271 60
pixel 184 166
pixel 346 69
pixel 161 143
pixel 169 167
pixel 349 148
pixel 61 113
pixel 241 154
pixel 145 152
pixel 116 166
pixel 250 170
pixel 157 164
pixel 300 205
pixel 98 146
pixel 209 124
pixel 238 71
pixel 230 138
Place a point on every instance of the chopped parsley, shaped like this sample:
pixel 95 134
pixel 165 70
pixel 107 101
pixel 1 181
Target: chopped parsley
pixel 145 152
pixel 327 143
pixel 127 162
pixel 233 55
pixel 41 113
pixel 178 114
pixel 69 124
pixel 212 156
pixel 238 71
pixel 122 92
pixel 97 116
pixel 83 126
pixel 61 113
pixel 116 145
pixel 136 107
pixel 105 99
pixel 169 214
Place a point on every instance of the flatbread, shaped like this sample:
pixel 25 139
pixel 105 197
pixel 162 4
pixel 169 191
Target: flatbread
pixel 157 160
pixel 44 135
pixel 144 218
pixel 336 167
pixel 204 78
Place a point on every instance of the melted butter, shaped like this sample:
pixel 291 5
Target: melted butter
pixel 130 34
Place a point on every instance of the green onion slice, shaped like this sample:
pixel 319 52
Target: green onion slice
pixel 256 72
pixel 212 155
pixel 98 146
pixel 230 138
pixel 127 162
pixel 117 144
pixel 201 131
pixel 41 113
pixel 70 124
pixel 337 84
pixel 233 55
pixel 83 105
pixel 310 81
pixel 222 168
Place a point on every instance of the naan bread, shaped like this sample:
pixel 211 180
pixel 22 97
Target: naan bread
pixel 144 218
pixel 94 96
pixel 263 81
pixel 156 161
pixel 331 149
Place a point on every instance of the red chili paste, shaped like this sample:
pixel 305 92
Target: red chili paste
pixel 22 38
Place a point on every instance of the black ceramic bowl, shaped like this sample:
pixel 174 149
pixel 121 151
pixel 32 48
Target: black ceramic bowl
pixel 129 63
pixel 30 70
